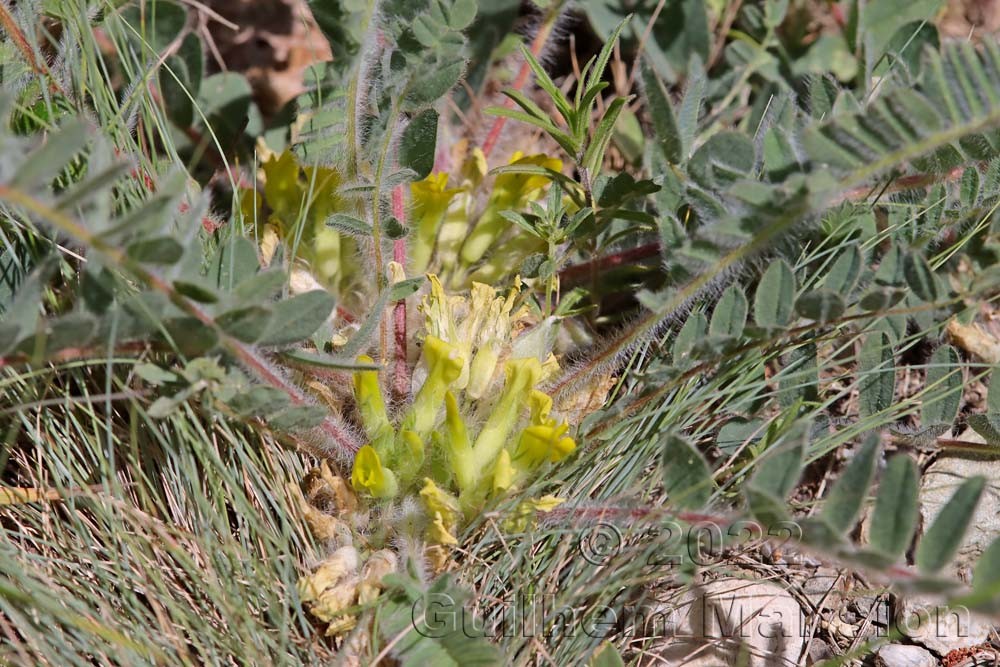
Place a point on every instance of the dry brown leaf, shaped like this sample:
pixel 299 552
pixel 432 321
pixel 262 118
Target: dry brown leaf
pixel 975 341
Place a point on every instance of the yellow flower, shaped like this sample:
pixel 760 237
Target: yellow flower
pixel 526 511
pixel 281 187
pixel 455 226
pixel 411 458
pixel 541 405
pixel 545 503
pixel 510 191
pixel 444 366
pixel 431 199
pixel 503 473
pixel 300 199
pixel 441 312
pixel 371 405
pixel 458 446
pixel 370 476
pixel 480 326
pixel 541 443
pixel 443 509
pixel 522 376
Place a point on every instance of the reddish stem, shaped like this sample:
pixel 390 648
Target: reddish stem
pixel 537 44
pixel 251 359
pixel 401 370
pixel 608 513
pixel 10 26
pixel 77 353
pixel 575 274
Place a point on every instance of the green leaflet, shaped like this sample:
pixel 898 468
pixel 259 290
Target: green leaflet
pixel 919 277
pixel 664 121
pixel 687 478
pixel 943 388
pixel 418 143
pixel 845 271
pixel 297 318
pixel 842 505
pixel 774 299
pixel 779 470
pixel 942 540
pixel 606 656
pixel 730 314
pixel 894 517
pixel 822 305
pixel 987 426
pixel 246 324
pixel 693 331
pixel 876 375
pixel 721 160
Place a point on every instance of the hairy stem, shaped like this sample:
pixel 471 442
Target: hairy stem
pixel 380 276
pixel 537 45
pixel 401 369
pixel 653 319
pixel 249 357
pixel 10 26
pixel 577 273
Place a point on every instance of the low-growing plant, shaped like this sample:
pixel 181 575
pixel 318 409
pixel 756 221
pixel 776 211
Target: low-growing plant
pixel 273 428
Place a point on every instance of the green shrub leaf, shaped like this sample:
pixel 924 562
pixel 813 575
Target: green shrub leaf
pixel 662 112
pixel 298 318
pixel 730 314
pixel 840 510
pixel 986 580
pixel 720 161
pixel 844 273
pixel 693 331
pixel 919 277
pixel 775 296
pixel 943 539
pixel 944 388
pixel 876 375
pixel 418 143
pixel 780 468
pixel 247 324
pixel 687 478
pixel 162 250
pixel 987 426
pixel 822 305
pixel 895 515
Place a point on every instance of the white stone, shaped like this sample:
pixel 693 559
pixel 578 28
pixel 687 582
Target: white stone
pixel 901 655
pixel 926 621
pixel 711 622
pixel 938 484
pixel 822 587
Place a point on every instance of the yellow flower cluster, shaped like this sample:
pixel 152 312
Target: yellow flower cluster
pixel 451 237
pixel 299 200
pixel 475 373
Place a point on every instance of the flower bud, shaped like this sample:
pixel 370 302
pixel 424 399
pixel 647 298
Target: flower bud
pixel 522 376
pixel 371 405
pixel 443 368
